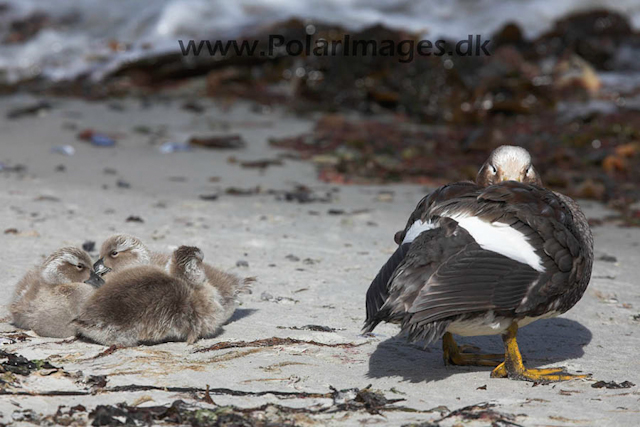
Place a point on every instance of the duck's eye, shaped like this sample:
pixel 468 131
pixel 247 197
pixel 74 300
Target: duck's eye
pixel 113 254
pixel 80 267
pixel 529 170
pixel 493 169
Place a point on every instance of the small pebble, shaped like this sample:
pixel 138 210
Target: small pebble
pixel 66 150
pixel 102 140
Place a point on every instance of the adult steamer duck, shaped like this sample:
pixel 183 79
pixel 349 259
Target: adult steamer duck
pixel 486 258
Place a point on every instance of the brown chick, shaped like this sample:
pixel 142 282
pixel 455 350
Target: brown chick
pixel 122 251
pixel 147 305
pixel 49 296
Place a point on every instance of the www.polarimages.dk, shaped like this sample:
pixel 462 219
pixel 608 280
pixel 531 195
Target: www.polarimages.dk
pixel 277 44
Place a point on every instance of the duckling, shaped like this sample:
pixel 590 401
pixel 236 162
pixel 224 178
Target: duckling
pixel 146 304
pixel 48 297
pixel 122 251
pixel 227 286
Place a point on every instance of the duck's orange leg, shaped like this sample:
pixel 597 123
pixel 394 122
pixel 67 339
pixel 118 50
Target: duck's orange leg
pixel 513 368
pixel 454 355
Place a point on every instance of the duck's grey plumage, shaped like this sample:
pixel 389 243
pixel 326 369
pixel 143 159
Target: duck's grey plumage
pixel 445 276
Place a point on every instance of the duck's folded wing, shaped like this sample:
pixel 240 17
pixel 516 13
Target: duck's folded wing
pixel 474 280
pixel 447 274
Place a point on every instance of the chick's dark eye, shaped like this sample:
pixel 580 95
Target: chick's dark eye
pixel 493 169
pixel 114 254
pixel 80 267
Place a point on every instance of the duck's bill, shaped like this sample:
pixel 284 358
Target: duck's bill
pixel 98 270
pixel 95 280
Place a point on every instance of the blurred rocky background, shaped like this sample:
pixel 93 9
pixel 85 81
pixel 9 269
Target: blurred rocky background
pixel 562 80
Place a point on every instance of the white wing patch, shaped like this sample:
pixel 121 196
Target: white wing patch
pixel 499 237
pixel 416 229
pixel 496 237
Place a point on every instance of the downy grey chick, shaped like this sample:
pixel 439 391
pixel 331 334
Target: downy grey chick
pixel 123 251
pixel 49 296
pixel 146 304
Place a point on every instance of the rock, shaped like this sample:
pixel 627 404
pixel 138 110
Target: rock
pixel 595 35
pixel 123 184
pixel 67 150
pixel 224 142
pixel 29 110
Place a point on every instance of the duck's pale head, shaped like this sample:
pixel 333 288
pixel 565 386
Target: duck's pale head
pixel 65 265
pixel 122 250
pixel 186 263
pixel 508 163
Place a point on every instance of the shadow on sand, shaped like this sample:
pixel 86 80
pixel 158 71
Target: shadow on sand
pixel 544 342
pixel 241 313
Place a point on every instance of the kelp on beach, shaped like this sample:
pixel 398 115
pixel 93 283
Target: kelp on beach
pixel 569 96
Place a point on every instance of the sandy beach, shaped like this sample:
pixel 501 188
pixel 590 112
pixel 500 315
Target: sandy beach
pixel 312 263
